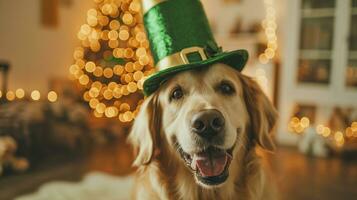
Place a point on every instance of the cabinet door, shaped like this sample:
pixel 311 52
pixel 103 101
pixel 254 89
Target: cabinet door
pixel 316 41
pixel 351 71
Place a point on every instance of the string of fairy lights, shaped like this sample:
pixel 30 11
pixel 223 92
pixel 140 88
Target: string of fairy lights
pixel 20 94
pixel 270 26
pixel 113 59
pixel 298 126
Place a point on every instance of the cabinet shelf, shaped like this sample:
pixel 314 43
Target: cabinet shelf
pixel 317 13
pixel 315 54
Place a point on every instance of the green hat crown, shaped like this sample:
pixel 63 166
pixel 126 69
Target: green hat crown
pixel 181 39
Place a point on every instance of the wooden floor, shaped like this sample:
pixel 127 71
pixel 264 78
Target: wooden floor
pixel 298 176
pixel 302 177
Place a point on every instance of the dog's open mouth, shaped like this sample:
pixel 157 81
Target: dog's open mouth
pixel 210 166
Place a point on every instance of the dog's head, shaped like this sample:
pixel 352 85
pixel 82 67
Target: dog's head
pixel 202 116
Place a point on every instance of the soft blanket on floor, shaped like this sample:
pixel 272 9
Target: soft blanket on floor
pixel 94 186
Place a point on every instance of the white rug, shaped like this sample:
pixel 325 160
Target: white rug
pixel 94 186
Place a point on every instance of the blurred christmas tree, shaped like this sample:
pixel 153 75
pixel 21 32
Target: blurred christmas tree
pixel 113 59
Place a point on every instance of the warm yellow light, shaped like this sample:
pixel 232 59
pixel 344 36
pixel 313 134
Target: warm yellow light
pixel 114 24
pixel 93 103
pixel 20 93
pixel 118 52
pixel 121 118
pixel 92 12
pixel 100 108
pixel 349 132
pixel 84 79
pixel 144 60
pixel 338 136
pixel 128 116
pixel 117 93
pixel 134 6
pixel 124 35
pixel 113 43
pixel 340 143
pixel 295 121
pixel 133 42
pixel 128 53
pixel 270 53
pixel 113 29
pixel 263 59
pixel 92 20
pixel 52 96
pixel 113 35
pixel 98 115
pixel 140 83
pixel 86 96
pixel 108 95
pixel 10 95
pixel 129 67
pixel 112 85
pixel 108 72
pixel 94 92
pixel 326 132
pixel 103 20
pixel 78 54
pixel 132 87
pixel 138 75
pixel 96 84
pixel 354 126
pixel 86 29
pixel 305 122
pixel 124 107
pixel 35 95
pixel 141 37
pixel 138 66
pixel 98 72
pixel 0 93
pixel 73 69
pixel 127 18
pixel 111 112
pixel 128 78
pixel 118 70
pixel 90 67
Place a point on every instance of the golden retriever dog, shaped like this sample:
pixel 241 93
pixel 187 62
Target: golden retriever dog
pixel 195 138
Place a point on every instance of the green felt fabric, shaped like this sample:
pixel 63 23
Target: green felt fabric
pixel 174 25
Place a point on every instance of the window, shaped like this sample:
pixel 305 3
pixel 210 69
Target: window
pixel 316 39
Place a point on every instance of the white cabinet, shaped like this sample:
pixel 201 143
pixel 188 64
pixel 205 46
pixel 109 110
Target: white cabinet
pixel 319 63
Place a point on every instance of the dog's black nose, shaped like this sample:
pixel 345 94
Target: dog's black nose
pixel 208 123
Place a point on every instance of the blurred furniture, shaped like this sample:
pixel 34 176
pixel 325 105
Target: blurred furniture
pixel 45 130
pixel 4 70
pixel 319 65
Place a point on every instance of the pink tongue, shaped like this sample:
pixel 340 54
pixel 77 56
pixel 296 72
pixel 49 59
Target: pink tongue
pixel 211 165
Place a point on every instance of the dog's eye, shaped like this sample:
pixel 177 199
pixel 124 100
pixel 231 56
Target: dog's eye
pixel 177 93
pixel 226 88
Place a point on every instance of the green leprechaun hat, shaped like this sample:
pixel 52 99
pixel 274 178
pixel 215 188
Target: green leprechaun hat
pixel 181 39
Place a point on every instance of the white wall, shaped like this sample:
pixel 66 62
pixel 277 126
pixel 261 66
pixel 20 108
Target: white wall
pixel 37 53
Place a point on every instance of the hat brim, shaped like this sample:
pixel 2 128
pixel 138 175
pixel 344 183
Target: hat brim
pixel 236 59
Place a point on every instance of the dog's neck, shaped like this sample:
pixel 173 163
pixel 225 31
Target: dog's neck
pixel 185 186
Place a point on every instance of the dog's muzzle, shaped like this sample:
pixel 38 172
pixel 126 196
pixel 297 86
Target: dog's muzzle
pixel 210 165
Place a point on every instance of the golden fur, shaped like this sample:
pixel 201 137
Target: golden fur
pixel 161 124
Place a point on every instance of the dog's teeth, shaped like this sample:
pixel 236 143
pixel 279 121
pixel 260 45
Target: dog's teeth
pixel 193 163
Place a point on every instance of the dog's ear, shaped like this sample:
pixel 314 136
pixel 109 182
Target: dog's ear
pixel 145 130
pixel 261 112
